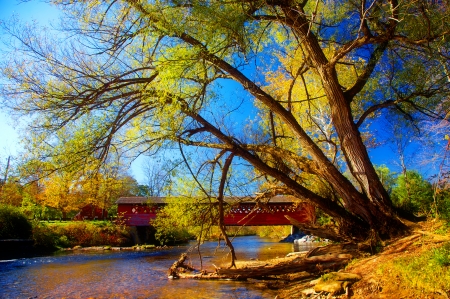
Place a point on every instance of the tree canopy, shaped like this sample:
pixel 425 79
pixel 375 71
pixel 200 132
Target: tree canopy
pixel 286 89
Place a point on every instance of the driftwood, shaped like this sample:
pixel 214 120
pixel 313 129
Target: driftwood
pixel 318 260
pixel 314 264
pixel 174 271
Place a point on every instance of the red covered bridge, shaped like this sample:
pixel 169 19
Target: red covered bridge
pixel 138 211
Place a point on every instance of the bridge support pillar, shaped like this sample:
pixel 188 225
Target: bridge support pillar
pixel 142 235
pixel 294 230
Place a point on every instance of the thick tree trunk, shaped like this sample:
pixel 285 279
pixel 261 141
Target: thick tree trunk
pixel 375 207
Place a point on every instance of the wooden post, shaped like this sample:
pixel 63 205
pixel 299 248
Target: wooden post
pixel 294 230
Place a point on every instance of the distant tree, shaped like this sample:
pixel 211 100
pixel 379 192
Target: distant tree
pixel 143 190
pixel 158 176
pixel 61 194
pixel 11 193
pixel 413 193
pixel 104 185
pixel 387 178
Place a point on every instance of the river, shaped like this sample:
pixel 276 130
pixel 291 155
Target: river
pixel 134 274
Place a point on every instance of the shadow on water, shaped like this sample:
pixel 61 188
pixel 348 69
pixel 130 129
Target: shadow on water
pixel 136 274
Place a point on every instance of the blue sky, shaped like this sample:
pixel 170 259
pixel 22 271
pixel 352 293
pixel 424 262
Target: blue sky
pixel 27 11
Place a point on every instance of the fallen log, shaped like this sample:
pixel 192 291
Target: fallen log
pixel 315 264
pixel 316 261
pixel 206 276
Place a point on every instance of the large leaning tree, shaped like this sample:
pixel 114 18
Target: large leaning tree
pixel 291 88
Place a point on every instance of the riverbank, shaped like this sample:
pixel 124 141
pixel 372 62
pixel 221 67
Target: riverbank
pixel 116 248
pixel 46 238
pixel 415 266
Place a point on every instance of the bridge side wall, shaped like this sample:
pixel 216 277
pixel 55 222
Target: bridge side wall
pixel 274 214
pixel 136 214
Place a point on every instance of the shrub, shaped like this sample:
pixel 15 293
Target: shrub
pixel 44 237
pixel 443 204
pixel 412 193
pixel 50 236
pixel 441 256
pixel 13 224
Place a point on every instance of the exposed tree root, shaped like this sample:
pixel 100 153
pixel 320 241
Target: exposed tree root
pixel 401 244
pixel 435 238
pixel 348 248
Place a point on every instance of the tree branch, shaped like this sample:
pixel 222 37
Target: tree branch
pixel 364 77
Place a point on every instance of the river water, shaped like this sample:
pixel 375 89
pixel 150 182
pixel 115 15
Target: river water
pixel 134 274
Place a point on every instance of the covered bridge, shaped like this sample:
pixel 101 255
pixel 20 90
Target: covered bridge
pixel 139 211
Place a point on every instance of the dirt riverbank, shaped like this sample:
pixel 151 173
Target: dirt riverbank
pixel 378 275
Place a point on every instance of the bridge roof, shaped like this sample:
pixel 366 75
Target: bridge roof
pixel 141 200
pixel 164 200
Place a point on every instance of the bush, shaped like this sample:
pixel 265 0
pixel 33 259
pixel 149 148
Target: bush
pixel 44 237
pixel 443 204
pixel 413 194
pixel 13 224
pixel 50 236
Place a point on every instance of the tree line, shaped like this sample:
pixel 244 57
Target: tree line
pixel 61 193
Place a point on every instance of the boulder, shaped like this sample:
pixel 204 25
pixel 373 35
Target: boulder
pixel 335 282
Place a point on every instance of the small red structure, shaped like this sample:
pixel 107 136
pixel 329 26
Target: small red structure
pixel 139 211
pixel 91 212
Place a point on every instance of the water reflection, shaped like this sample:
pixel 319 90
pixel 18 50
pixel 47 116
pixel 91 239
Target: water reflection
pixel 247 248
pixel 131 274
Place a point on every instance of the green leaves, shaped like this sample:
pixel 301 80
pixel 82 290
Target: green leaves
pixel 412 193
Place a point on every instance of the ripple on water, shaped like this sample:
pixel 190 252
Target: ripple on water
pixel 126 274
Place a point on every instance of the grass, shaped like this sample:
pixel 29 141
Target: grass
pixel 99 223
pixel 427 271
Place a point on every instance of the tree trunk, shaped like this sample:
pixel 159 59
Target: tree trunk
pixel 221 211
pixel 375 207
